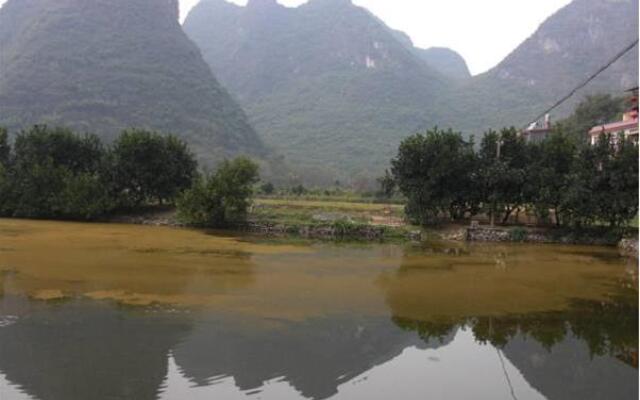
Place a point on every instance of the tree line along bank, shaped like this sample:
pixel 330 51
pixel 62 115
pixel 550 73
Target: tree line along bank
pixel 55 173
pixel 567 183
pixel 441 176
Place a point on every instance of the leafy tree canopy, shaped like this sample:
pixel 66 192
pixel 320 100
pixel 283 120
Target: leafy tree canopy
pixel 435 172
pixel 221 198
pixel 148 166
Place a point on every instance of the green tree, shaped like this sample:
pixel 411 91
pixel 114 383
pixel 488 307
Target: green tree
pixel 222 198
pixel 299 190
pixel 5 155
pixel 491 172
pixel 45 162
pixel 78 153
pixel 515 153
pixel 386 186
pixel 502 172
pixel 34 190
pixel 582 195
pixel 150 167
pixel 614 181
pixel 594 110
pixel 5 147
pixel 550 175
pixel 84 197
pixel 267 188
pixel 5 191
pixel 435 171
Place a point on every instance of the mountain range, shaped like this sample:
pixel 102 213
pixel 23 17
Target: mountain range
pixel 330 85
pixel 327 84
pixel 107 65
pixel 566 49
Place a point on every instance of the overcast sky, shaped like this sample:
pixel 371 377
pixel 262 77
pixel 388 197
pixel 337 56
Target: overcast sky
pixel 483 32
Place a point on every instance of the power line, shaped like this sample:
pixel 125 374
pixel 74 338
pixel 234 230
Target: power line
pixel 506 374
pixel 586 82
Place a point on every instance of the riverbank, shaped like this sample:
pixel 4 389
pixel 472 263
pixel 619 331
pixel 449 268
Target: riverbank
pixel 625 239
pixel 324 220
pixel 588 236
pixel 359 221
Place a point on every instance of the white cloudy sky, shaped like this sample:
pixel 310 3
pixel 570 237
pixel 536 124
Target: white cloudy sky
pixel 484 32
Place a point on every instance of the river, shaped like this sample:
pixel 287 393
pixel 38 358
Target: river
pixel 108 311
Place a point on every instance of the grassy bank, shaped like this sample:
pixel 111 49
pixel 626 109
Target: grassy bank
pixel 304 211
pixel 344 218
pixel 337 219
pixel 322 219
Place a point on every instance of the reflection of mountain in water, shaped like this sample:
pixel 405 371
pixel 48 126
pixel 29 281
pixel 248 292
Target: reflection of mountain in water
pixel 314 356
pixel 81 351
pixel 589 351
pixel 569 371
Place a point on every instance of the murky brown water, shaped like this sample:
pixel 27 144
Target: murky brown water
pixel 92 311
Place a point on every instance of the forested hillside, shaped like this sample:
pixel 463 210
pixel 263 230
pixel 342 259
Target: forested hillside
pixel 331 86
pixel 105 65
pixel 327 83
pixel 567 48
pixel 445 60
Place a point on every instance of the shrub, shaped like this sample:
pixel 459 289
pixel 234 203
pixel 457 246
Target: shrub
pixel 518 235
pixel 222 198
pixel 267 188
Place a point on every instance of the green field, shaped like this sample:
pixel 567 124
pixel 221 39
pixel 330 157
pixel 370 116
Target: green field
pixel 300 211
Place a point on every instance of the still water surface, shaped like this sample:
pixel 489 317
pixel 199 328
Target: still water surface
pixel 91 311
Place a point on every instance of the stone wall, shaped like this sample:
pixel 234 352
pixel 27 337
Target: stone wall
pixel 362 232
pixel 506 235
pixel 527 235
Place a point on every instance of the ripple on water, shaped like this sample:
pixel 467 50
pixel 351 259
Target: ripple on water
pixel 7 320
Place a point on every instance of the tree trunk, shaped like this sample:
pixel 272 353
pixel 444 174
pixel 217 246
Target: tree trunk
pixel 507 215
pixel 493 214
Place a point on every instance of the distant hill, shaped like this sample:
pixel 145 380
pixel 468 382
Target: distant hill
pixel 330 85
pixel 442 59
pixel 105 65
pixel 567 48
pixel 327 83
pixel 446 61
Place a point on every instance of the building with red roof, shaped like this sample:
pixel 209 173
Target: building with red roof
pixel 627 129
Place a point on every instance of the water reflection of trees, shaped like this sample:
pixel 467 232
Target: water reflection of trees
pixel 608 328
pixel 440 288
pixel 589 351
pixel 429 331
